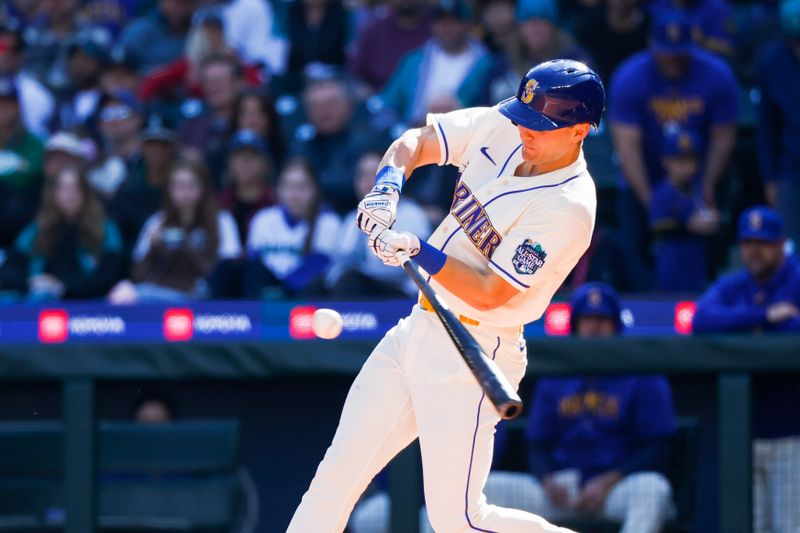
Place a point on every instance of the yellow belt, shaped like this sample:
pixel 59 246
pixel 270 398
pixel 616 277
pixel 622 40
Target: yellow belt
pixel 425 305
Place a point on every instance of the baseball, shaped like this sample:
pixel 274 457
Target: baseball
pixel 327 323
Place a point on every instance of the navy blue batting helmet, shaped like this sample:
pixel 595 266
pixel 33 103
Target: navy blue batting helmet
pixel 596 299
pixel 556 94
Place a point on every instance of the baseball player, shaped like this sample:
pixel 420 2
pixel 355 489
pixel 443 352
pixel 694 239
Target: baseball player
pixel 522 215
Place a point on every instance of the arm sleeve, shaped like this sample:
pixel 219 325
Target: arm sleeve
pixel 230 247
pixel 541 430
pixel 454 132
pixel 540 247
pixel 714 315
pixel 723 104
pixel 625 99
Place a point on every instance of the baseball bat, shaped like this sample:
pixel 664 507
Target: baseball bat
pixel 497 388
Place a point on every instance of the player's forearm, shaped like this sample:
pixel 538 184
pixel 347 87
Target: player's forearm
pixel 628 145
pixel 415 148
pixel 482 290
pixel 723 139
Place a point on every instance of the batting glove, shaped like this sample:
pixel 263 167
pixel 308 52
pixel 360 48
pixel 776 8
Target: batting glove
pixel 386 244
pixel 378 209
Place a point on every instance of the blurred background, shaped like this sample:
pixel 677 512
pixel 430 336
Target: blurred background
pixel 178 180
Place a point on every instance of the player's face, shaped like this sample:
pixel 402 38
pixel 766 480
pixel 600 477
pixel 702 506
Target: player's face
pixel 543 147
pixel 589 326
pixel 761 258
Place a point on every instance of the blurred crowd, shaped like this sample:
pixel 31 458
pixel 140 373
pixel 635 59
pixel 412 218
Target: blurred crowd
pixel 188 149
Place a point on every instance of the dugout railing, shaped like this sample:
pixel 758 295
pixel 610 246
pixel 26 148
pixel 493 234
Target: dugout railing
pixel 731 360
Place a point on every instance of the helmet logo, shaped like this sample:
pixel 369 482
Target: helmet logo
pixel 527 91
pixel 755 221
pixel 594 297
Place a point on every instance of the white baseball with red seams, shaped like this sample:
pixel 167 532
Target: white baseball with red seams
pixel 531 231
pixel 327 323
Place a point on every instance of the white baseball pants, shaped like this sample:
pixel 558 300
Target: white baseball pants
pixel 641 502
pixel 776 485
pixel 415 384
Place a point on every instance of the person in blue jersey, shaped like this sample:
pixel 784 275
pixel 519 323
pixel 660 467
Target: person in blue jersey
pixel 764 297
pixel 711 20
pixel 679 219
pixel 672 83
pixel 765 294
pixel 779 119
pixel 597 445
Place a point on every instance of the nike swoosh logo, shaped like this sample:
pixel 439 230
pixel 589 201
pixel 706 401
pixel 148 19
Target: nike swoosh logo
pixel 485 151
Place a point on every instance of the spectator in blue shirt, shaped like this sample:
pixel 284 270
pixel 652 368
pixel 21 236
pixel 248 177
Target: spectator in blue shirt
pixel 711 20
pixel 671 84
pixel 159 37
pixel 764 297
pixel 679 219
pixel 779 120
pixel 598 445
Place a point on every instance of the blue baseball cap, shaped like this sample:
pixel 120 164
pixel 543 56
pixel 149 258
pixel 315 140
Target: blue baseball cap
pixel 451 8
pixel 247 140
pixel 537 9
pixel 671 33
pixel 596 299
pixel 678 142
pixel 790 17
pixel 761 223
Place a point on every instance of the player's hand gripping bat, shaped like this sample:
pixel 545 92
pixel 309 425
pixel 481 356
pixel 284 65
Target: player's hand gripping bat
pixel 491 380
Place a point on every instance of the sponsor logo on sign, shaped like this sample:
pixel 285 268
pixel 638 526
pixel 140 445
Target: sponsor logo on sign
pixel 684 314
pixel 178 324
pixel 556 319
pixel 301 320
pixel 53 325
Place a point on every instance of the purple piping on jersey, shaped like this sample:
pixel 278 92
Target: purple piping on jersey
pixel 444 138
pixel 509 159
pixel 472 454
pixel 531 189
pixel 501 269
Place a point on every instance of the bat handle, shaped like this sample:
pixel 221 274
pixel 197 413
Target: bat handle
pixel 403 257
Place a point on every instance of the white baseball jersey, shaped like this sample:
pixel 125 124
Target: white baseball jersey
pixel 530 230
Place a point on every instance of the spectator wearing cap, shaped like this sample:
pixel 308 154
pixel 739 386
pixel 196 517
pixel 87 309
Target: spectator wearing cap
pixel 79 94
pixel 778 131
pixel 159 37
pixel 250 183
pixel 21 155
pixel 73 250
pixel 764 296
pixel 118 119
pixel 598 446
pixel 318 32
pixel 35 100
pixel 332 140
pixel 538 39
pixel 121 72
pixel 206 124
pixel 182 78
pixel 711 21
pixel 671 84
pixel 254 110
pixel 428 80
pixel 356 272
pixel 625 23
pixel 679 219
pixel 381 45
pixel 64 149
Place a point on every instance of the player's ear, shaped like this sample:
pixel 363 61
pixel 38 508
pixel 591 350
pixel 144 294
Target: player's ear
pixel 581 131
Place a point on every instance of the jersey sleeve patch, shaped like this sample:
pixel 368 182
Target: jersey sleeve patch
pixel 528 257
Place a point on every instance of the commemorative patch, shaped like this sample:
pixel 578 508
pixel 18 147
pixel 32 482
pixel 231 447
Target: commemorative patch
pixel 529 257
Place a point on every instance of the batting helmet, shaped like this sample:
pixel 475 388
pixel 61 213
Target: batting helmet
pixel 556 94
pixel 596 299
